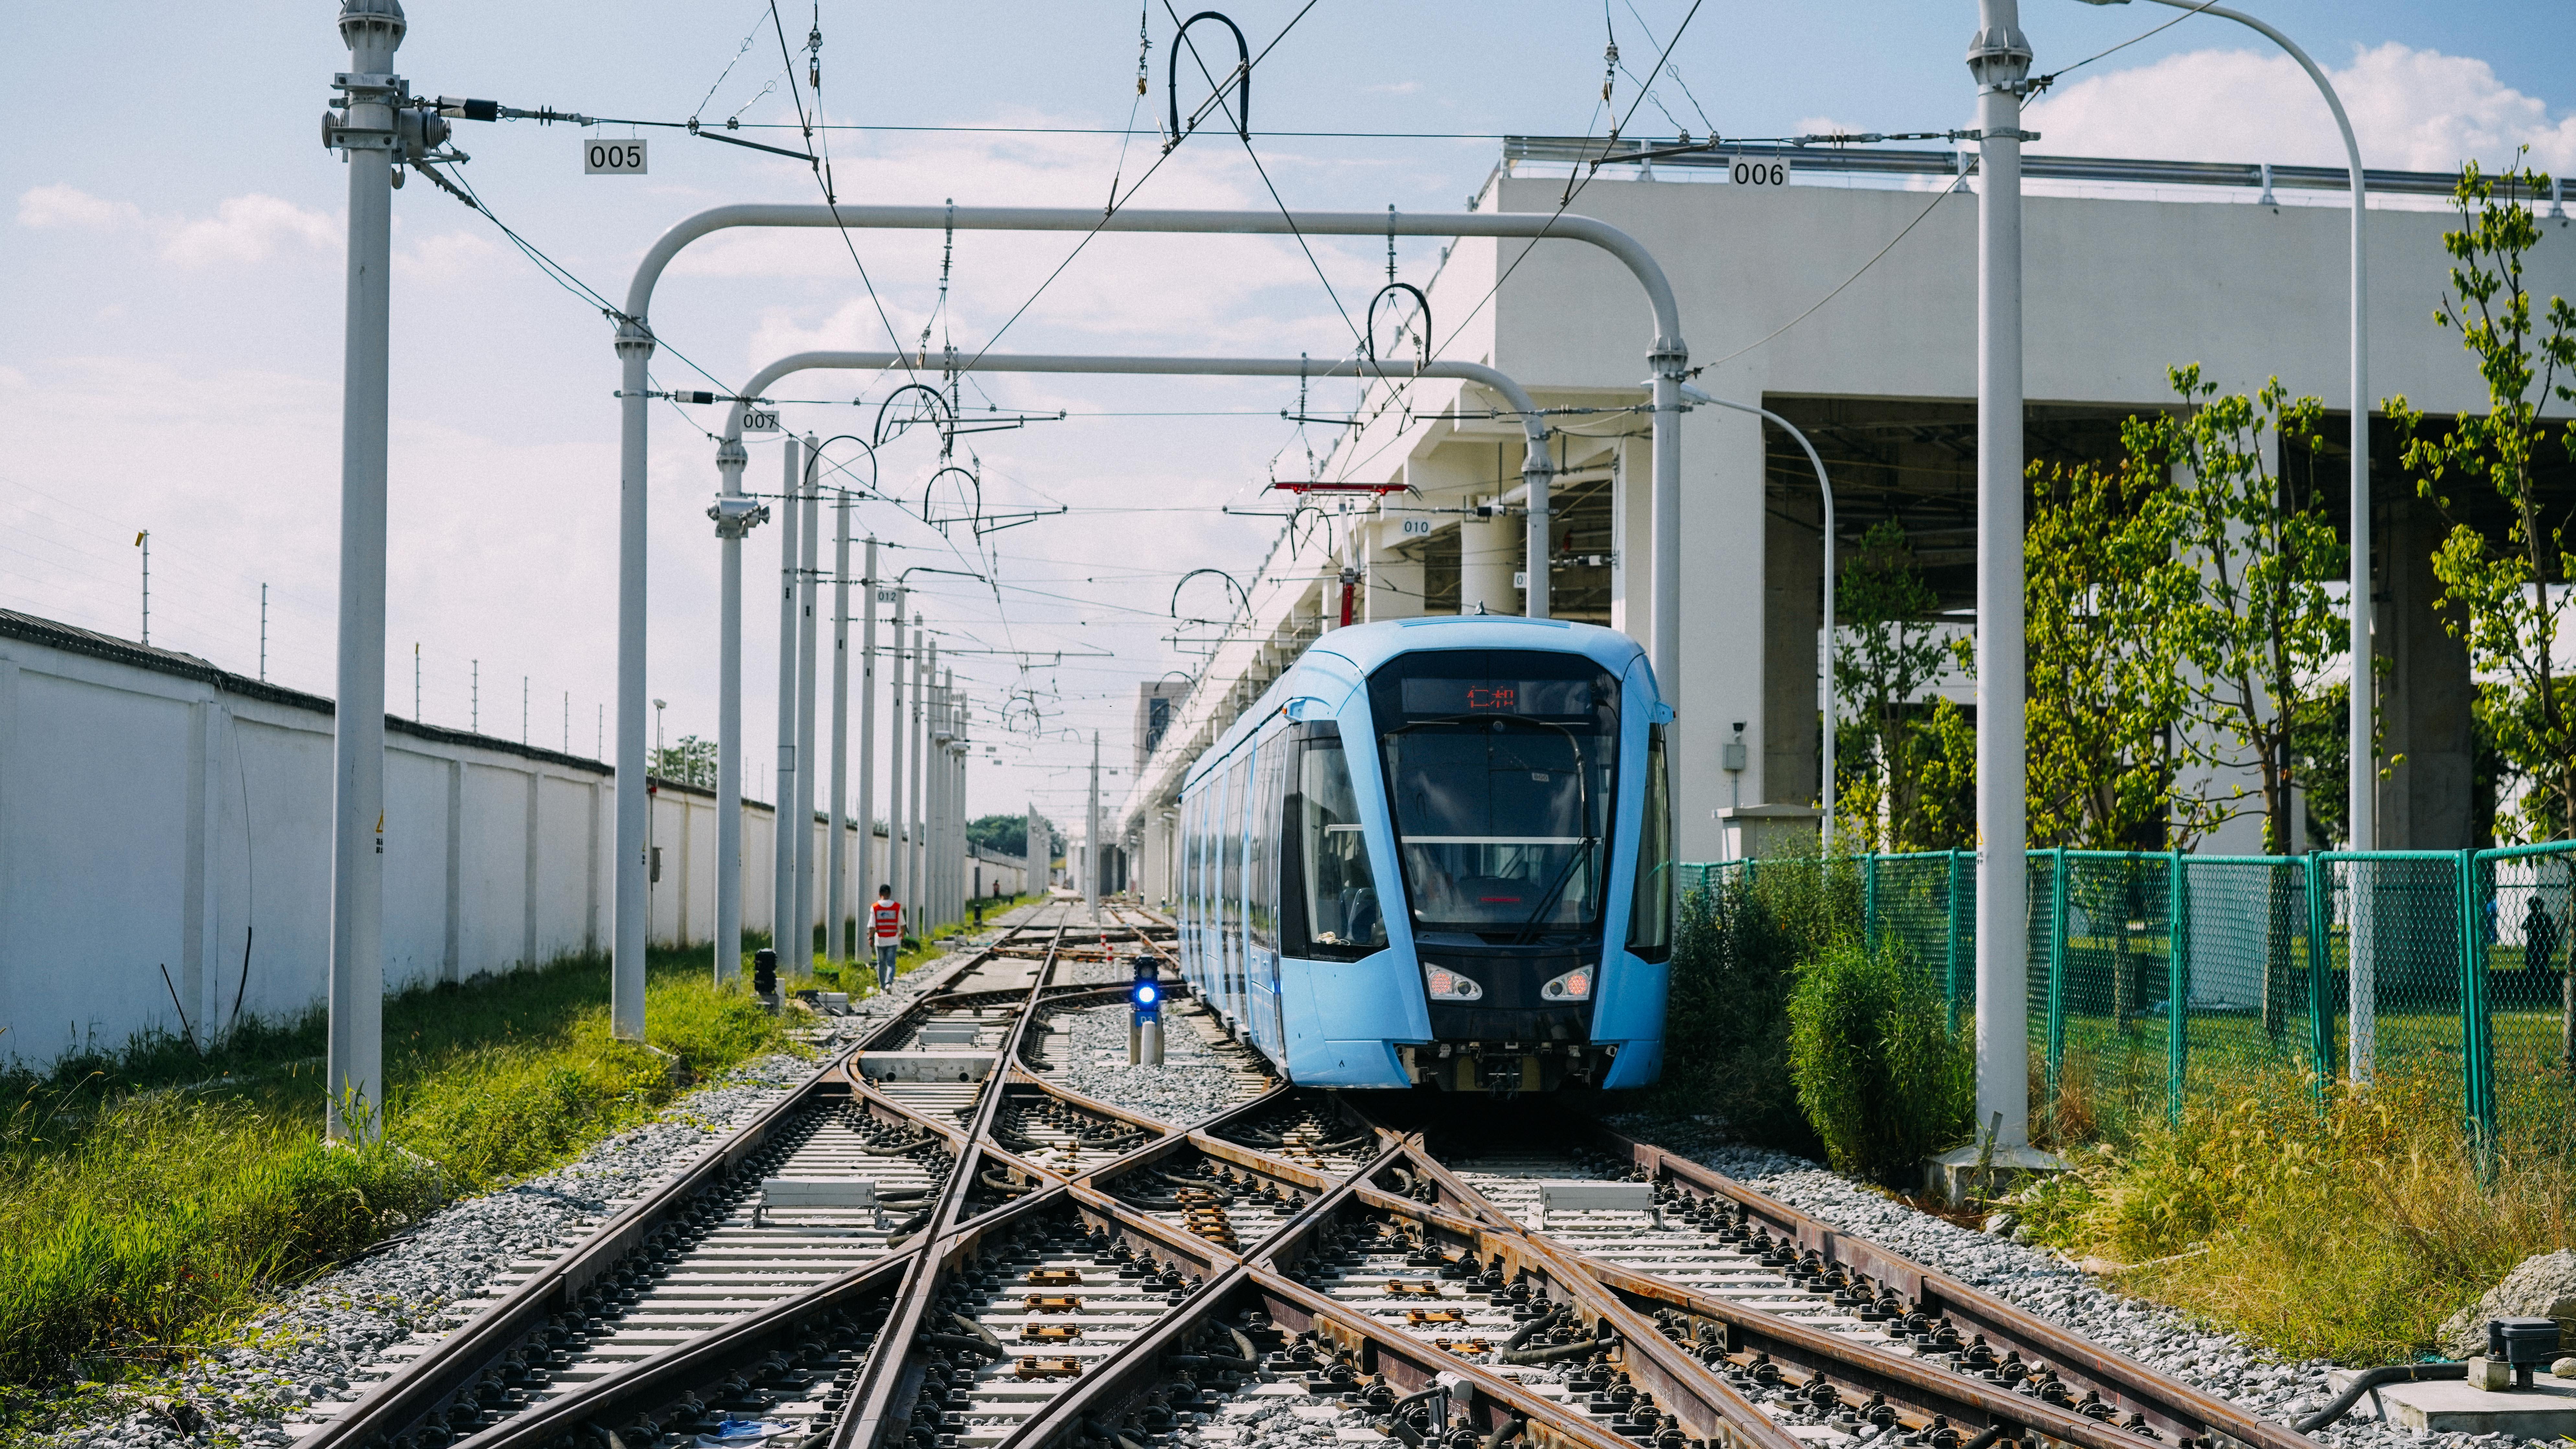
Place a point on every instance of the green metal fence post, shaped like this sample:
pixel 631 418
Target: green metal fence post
pixel 1950 965
pixel 2316 882
pixel 2177 984
pixel 1869 898
pixel 2477 1024
pixel 2056 970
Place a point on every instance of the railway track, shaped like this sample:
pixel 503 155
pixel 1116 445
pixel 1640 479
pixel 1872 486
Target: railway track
pixel 937 1242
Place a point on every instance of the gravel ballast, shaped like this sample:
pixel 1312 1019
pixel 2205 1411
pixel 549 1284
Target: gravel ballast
pixel 2222 1365
pixel 1191 1083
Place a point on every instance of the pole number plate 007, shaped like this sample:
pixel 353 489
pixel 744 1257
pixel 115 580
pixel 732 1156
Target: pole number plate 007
pixel 612 158
pixel 1749 172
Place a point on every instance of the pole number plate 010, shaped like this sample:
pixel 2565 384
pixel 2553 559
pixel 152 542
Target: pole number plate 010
pixel 612 158
pixel 1758 173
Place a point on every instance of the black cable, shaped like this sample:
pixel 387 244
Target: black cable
pixel 1573 190
pixel 2044 82
pixel 564 278
pixel 1115 203
pixel 831 203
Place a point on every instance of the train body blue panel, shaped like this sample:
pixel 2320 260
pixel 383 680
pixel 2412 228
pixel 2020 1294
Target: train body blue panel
pixel 1437 853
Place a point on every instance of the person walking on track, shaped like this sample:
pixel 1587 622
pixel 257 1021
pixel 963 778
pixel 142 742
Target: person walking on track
pixel 885 932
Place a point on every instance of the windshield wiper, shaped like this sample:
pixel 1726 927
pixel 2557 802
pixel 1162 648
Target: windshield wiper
pixel 1529 928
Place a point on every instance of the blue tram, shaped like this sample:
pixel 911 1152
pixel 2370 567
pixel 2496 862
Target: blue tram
pixel 1438 854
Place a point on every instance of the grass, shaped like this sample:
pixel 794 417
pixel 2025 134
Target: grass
pixel 2346 1230
pixel 152 1198
pixel 2318 1222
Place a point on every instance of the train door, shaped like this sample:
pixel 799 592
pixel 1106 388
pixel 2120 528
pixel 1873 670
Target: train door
pixel 1269 782
pixel 1229 843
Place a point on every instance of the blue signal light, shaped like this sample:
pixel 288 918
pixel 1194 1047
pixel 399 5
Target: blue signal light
pixel 1145 993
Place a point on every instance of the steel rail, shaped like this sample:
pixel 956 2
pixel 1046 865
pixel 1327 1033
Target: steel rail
pixel 1237 1226
pixel 2167 1404
pixel 877 1385
pixel 1914 1384
pixel 1706 1406
pixel 410 1394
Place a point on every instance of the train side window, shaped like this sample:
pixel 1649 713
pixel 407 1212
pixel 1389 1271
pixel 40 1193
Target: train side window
pixel 1650 910
pixel 1333 899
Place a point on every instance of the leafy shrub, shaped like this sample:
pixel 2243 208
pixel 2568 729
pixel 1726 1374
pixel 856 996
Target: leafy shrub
pixel 1726 1023
pixel 1881 1077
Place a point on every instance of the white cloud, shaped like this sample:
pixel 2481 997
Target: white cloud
pixel 248 229
pixel 2416 110
pixel 446 257
pixel 63 205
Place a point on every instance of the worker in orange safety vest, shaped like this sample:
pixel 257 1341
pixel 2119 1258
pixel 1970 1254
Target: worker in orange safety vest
pixel 885 931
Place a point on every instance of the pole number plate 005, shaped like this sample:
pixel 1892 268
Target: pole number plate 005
pixel 1747 172
pixel 612 158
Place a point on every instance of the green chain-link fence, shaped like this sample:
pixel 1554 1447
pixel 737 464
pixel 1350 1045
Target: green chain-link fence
pixel 2155 978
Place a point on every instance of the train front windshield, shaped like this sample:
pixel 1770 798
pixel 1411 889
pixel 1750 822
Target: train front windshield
pixel 1502 766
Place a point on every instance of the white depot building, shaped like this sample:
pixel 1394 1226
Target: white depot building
pixel 2129 268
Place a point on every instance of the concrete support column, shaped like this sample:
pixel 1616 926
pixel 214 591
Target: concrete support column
pixel 1792 613
pixel 1489 550
pixel 1723 536
pixel 1632 516
pixel 2425 696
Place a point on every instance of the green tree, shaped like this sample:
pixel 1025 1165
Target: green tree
pixel 2102 584
pixel 2258 628
pixel 2508 598
pixel 1000 834
pixel 1893 785
pixel 690 762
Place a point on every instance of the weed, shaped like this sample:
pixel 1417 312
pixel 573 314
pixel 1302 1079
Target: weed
pixel 2348 1231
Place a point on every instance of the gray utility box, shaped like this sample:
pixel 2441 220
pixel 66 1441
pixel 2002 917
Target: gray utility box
pixel 925 1066
pixel 816 1192
pixel 1596 1197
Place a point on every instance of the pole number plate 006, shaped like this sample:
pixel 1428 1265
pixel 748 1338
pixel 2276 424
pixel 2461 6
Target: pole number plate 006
pixel 1746 172
pixel 612 158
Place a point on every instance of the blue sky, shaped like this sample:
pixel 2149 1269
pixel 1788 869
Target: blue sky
pixel 174 284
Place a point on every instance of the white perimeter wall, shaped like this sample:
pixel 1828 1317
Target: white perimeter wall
pixel 156 814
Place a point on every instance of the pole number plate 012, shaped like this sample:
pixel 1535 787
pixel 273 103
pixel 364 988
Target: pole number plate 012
pixel 1758 173
pixel 612 158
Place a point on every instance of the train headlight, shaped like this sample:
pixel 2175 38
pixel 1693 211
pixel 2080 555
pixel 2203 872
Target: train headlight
pixel 1448 985
pixel 1575 985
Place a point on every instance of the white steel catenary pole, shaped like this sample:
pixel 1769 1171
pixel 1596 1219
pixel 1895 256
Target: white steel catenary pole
pixel 808 701
pixel 1091 835
pixel 868 876
pixel 836 902
pixel 734 516
pixel 367 138
pixel 634 344
pixel 782 853
pixel 1999 58
pixel 895 852
pixel 925 657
